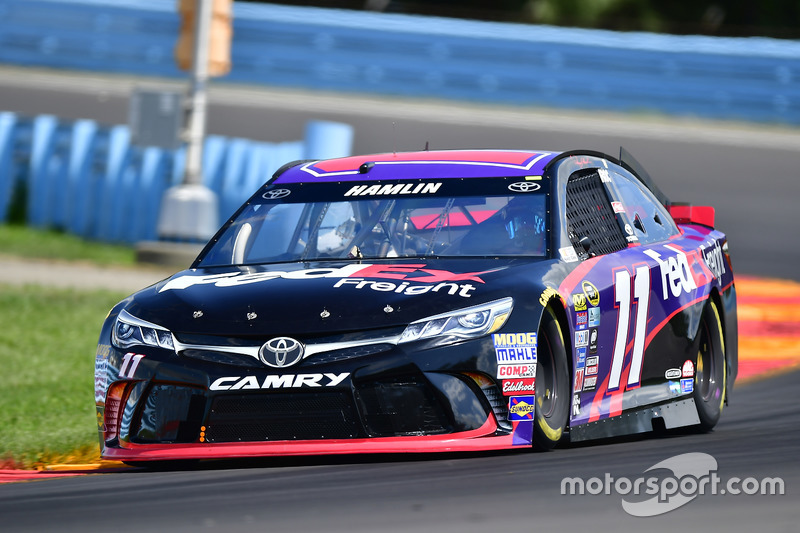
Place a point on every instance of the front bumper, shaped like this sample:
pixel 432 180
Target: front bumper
pixel 174 407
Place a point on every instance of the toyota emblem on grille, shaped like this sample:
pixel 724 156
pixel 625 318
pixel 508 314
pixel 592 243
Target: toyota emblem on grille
pixel 281 351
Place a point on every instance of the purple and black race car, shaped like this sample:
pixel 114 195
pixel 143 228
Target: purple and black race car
pixel 428 301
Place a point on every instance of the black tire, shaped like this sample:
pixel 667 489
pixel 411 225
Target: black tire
pixel 710 370
pixel 553 399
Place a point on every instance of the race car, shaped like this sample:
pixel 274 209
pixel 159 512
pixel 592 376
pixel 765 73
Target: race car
pixel 428 301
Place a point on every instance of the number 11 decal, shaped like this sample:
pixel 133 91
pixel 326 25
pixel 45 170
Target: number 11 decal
pixel 622 293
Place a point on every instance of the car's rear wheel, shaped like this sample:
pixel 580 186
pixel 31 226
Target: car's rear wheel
pixel 710 372
pixel 552 384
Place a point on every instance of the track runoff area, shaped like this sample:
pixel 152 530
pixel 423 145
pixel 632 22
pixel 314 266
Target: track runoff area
pixel 769 343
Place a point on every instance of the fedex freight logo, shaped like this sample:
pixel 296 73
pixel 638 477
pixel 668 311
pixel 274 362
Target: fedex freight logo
pixel 404 278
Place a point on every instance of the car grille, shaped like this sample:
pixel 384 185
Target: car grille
pixel 267 417
pixel 347 353
pixel 401 406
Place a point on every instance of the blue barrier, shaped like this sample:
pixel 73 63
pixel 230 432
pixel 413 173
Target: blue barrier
pixel 744 78
pixel 8 122
pixel 91 181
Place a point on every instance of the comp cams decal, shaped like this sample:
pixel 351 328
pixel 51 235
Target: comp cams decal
pixel 407 279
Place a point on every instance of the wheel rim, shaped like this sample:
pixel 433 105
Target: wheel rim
pixel 705 366
pixel 545 381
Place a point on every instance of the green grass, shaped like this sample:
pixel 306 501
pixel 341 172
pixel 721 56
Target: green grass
pixel 48 340
pixel 22 241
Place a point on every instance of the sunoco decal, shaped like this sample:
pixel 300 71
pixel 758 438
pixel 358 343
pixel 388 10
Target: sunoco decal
pixel 521 408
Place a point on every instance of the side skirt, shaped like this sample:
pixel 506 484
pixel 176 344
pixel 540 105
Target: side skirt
pixel 674 414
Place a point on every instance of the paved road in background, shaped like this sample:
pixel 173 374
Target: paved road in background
pixel 749 173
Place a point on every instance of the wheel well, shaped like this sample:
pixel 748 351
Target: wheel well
pixel 717 299
pixel 556 305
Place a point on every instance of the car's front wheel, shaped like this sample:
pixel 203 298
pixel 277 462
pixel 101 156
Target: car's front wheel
pixel 552 384
pixel 710 372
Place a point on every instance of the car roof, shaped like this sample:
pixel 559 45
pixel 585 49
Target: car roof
pixel 420 165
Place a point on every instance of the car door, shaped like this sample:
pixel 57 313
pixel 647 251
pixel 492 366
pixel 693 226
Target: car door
pixel 629 299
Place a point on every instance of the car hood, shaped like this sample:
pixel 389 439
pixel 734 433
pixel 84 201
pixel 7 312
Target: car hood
pixel 325 297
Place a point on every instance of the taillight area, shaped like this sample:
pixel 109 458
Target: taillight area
pixel 115 402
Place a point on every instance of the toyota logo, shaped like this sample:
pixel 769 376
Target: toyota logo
pixel 524 186
pixel 274 194
pixel 281 351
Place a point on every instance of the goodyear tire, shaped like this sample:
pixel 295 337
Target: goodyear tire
pixel 552 384
pixel 710 372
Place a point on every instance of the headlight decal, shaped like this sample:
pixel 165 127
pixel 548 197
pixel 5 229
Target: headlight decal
pixel 130 331
pixel 467 323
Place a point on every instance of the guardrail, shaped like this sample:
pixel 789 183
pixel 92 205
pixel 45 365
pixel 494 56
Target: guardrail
pixel 744 78
pixel 91 181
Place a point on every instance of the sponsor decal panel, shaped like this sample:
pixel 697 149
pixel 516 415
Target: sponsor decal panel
pixel 672 373
pixel 578 380
pixel 688 369
pixel 512 387
pixel 593 341
pixel 581 319
pixel 594 317
pixel 516 371
pixel 591 293
pixel 590 383
pixel 581 362
pixel 687 385
pixel 568 254
pixel 521 408
pixel 581 338
pixel 516 355
pixel 576 404
pixel 579 301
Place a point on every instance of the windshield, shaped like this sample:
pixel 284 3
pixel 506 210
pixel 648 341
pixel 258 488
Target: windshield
pixel 281 231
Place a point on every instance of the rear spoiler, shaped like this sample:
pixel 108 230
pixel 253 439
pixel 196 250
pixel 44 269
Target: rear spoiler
pixel 692 214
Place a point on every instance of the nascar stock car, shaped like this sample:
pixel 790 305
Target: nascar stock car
pixel 428 301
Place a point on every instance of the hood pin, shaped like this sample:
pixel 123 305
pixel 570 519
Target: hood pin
pixel 324 314
pixel 197 314
pixel 251 316
pixel 388 309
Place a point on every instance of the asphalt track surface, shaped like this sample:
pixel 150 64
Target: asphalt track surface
pixel 509 491
pixel 748 174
